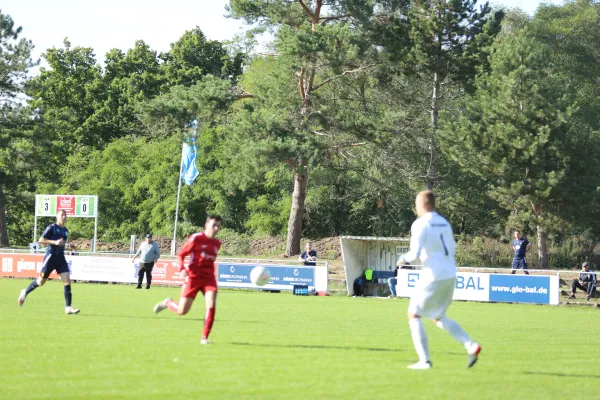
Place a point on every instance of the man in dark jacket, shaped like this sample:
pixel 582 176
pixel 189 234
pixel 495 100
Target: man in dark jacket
pixel 586 282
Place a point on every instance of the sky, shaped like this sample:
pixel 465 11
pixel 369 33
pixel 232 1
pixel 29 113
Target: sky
pixel 108 24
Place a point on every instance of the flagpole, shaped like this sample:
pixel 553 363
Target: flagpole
pixel 174 242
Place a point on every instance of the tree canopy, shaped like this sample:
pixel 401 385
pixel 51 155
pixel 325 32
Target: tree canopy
pixel 329 129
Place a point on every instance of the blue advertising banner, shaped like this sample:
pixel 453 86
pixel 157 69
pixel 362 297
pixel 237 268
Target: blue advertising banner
pixel 520 289
pixel 283 277
pixel 491 287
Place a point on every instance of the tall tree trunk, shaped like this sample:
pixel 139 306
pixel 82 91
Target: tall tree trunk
pixel 294 231
pixel 435 97
pixel 542 235
pixel 306 79
pixel 542 242
pixel 3 227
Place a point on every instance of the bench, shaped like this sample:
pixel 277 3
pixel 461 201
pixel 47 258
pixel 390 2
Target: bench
pixel 379 285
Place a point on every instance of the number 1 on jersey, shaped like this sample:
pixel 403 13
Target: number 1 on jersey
pixel 443 244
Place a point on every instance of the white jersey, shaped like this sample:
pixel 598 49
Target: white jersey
pixel 432 242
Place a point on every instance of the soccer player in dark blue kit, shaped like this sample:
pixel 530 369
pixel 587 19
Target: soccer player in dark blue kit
pixel 55 237
pixel 520 247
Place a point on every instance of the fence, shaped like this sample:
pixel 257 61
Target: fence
pixel 233 273
pixel 499 285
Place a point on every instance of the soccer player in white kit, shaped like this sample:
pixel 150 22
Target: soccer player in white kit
pixel 432 242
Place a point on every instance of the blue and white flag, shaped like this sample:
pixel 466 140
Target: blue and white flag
pixel 189 172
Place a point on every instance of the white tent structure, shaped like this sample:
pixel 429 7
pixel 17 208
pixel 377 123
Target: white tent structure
pixel 377 253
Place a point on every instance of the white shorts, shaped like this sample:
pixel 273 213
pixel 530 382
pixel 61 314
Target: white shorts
pixel 432 299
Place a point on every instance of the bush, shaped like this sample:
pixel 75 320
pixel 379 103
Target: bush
pixel 268 217
pixel 234 243
pixel 331 255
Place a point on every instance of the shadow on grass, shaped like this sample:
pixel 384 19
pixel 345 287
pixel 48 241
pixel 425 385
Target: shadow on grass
pixel 136 317
pixel 321 347
pixel 561 375
pixel 164 317
pixel 316 346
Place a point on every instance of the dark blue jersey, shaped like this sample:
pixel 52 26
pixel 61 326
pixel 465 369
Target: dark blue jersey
pixel 520 246
pixel 55 232
pixel 305 255
pixel 588 276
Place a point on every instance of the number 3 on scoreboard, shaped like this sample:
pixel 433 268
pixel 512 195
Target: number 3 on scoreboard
pixel 46 203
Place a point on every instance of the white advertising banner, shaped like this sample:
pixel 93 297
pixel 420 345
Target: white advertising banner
pixel 469 285
pixel 165 272
pixel 102 269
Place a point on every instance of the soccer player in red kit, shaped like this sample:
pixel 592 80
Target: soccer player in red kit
pixel 200 274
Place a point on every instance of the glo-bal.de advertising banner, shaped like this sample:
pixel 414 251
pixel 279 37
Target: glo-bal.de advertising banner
pixel 491 287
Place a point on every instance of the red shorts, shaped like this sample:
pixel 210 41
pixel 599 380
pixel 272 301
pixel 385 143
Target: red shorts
pixel 192 286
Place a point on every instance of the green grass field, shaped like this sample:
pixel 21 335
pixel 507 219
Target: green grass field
pixel 278 346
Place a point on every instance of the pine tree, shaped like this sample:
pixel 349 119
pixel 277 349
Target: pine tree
pixel 15 61
pixel 514 132
pixel 317 42
pixel 449 41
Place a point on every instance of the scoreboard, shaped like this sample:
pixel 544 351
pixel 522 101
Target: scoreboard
pixel 84 206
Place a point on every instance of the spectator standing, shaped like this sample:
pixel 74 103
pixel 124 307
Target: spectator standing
pixel 586 282
pixel 309 256
pixel 392 282
pixel 149 253
pixel 520 246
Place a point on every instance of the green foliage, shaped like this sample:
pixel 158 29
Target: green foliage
pixel 563 254
pixel 136 183
pixel 235 243
pixel 268 213
pixel 269 13
pixel 182 104
pixel 129 79
pixel 266 218
pixel 64 95
pixel 572 31
pixel 16 154
pixel 193 56
pixel 15 58
pixel 450 38
pixel 514 131
pixel 346 97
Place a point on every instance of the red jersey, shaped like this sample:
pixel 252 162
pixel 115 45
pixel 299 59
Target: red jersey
pixel 203 253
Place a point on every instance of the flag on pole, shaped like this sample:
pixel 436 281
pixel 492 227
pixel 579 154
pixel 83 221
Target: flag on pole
pixel 189 172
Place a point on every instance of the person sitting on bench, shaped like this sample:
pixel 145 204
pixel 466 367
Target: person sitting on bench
pixel 586 282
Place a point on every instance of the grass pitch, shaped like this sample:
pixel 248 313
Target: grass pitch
pixel 278 346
